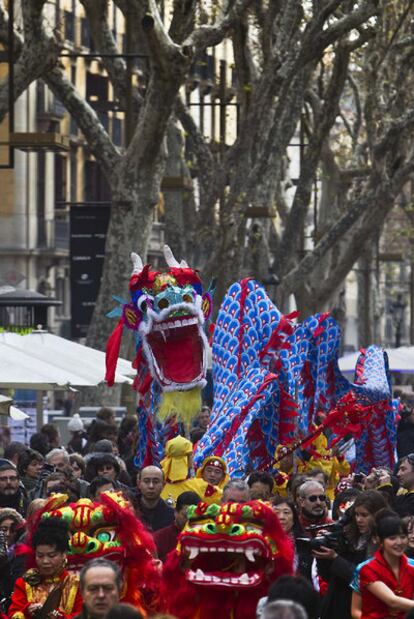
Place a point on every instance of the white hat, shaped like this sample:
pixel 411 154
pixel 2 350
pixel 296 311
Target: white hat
pixel 76 424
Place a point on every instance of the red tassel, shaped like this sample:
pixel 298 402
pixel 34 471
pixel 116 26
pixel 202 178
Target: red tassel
pixel 112 352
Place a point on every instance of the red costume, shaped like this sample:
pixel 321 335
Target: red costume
pixel 31 588
pixel 378 570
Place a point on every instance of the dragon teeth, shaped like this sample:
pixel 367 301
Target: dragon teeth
pixel 244 579
pixel 199 574
pixel 250 554
pixel 193 553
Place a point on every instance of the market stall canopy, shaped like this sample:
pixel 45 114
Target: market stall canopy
pixel 40 360
pixel 400 360
pixel 7 408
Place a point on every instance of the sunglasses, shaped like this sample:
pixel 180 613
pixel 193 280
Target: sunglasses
pixel 317 497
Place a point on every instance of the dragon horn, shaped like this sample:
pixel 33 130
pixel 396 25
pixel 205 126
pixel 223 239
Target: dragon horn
pixel 137 264
pixel 171 261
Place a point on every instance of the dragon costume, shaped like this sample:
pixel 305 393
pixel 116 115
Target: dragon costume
pixel 108 529
pixel 272 376
pixel 226 557
pixel 167 313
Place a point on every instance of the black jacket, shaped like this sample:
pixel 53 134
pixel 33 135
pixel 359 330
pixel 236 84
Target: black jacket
pixel 338 574
pixel 405 438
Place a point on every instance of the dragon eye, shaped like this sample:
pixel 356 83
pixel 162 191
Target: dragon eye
pixel 143 303
pixel 187 298
pixel 163 303
pixel 105 536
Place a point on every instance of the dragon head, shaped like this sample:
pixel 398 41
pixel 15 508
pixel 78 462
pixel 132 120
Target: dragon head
pixel 170 311
pixel 235 545
pixel 167 311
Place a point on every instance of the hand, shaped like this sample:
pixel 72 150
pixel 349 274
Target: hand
pixel 384 478
pixel 32 608
pixel 325 553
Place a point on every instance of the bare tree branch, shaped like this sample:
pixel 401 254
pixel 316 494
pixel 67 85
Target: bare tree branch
pixel 98 140
pixel 208 36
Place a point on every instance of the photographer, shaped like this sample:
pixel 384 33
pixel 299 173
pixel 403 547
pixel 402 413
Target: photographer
pixel 346 547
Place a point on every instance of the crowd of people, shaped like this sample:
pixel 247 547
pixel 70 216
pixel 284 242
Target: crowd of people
pixel 353 535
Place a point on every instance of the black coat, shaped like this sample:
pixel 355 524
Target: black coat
pixel 405 438
pixel 338 574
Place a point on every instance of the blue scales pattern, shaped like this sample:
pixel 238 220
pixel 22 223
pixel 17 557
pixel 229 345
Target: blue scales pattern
pixel 246 414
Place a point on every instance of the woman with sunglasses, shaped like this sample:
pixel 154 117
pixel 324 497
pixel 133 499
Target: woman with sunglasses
pixel 385 583
pixel 337 560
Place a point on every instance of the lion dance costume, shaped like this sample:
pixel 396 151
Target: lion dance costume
pixel 110 530
pixel 225 560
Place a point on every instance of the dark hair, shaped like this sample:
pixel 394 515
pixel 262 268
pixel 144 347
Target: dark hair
pixel 79 461
pixel 27 457
pixel 187 498
pixel 388 523
pixel 409 458
pixel 373 501
pixel 6 465
pixel 97 483
pixel 50 431
pixel 124 611
pixel 280 500
pixel 39 442
pixel 343 497
pixel 106 413
pixel 14 449
pixel 100 562
pixel 295 483
pixel 52 532
pixel 262 477
pixel 299 590
pixel 196 434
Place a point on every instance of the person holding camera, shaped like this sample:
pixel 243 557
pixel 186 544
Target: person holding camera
pixel 343 549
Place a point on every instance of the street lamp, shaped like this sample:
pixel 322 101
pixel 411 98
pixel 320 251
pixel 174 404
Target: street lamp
pixel 398 310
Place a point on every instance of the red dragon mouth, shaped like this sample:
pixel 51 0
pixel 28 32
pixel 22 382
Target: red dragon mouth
pixel 221 564
pixel 178 336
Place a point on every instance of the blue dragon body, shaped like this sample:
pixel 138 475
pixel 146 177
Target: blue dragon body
pixel 271 377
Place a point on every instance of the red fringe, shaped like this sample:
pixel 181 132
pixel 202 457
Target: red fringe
pixel 112 352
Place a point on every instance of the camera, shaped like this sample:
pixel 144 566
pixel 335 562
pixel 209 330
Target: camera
pixel 329 537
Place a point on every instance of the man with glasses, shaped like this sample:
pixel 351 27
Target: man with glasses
pixel 12 493
pixel 313 510
pixel 312 503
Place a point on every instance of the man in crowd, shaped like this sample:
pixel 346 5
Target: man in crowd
pixel 58 458
pixel 402 503
pixel 12 493
pixel 100 585
pixel 312 503
pixel 166 538
pixel 151 508
pixel 236 491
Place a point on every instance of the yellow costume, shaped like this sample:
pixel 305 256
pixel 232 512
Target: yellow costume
pixel 176 465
